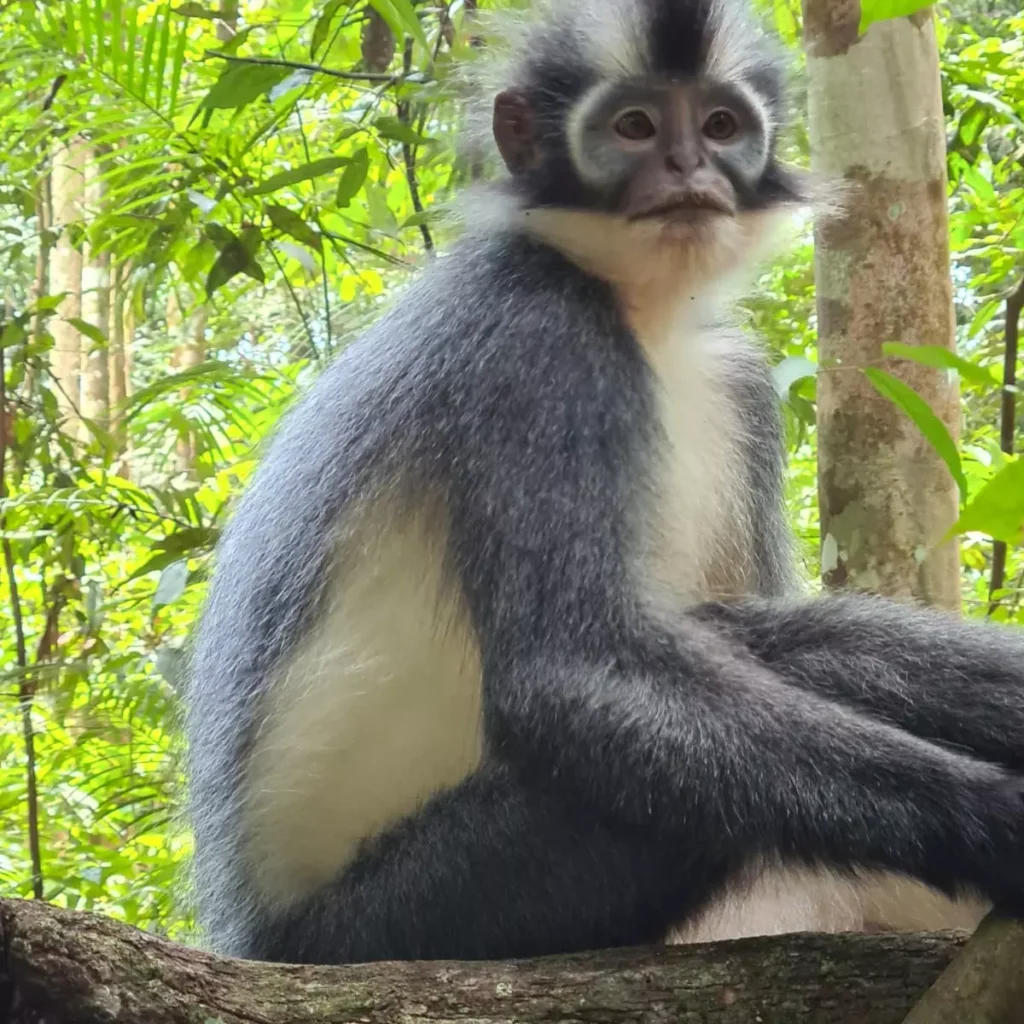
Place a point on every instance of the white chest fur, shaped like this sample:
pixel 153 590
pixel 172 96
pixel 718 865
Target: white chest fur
pixel 379 710
pixel 697 542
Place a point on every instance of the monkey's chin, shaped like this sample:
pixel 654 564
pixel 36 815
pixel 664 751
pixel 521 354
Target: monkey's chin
pixel 688 225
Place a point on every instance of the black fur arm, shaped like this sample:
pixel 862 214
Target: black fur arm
pixel 706 742
pixel 954 682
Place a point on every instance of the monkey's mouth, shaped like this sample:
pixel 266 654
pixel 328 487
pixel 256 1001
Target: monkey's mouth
pixel 691 208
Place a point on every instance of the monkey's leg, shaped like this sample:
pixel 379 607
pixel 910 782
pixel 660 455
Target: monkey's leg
pixel 492 870
pixel 689 732
pixel 954 682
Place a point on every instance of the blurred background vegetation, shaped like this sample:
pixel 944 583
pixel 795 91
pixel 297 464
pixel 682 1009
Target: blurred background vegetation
pixel 193 220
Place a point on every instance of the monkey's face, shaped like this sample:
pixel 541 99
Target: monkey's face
pixel 671 152
pixel 678 155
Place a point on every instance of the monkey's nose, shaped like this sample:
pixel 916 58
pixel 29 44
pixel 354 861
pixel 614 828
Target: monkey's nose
pixel 683 160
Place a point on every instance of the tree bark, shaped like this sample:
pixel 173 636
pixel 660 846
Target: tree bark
pixel 71 968
pixel 882 275
pixel 95 308
pixel 66 186
pixel 985 982
pixel 188 354
pixel 41 281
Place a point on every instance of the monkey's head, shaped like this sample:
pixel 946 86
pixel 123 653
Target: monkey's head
pixel 662 115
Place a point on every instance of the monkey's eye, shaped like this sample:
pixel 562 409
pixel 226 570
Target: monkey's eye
pixel 721 126
pixel 635 125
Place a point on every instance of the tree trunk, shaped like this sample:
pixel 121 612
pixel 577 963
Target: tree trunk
pixel 118 364
pixel 66 184
pixel 882 274
pixel 95 309
pixel 189 353
pixel 70 968
pixel 41 281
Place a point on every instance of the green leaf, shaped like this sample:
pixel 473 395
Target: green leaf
pixel 131 15
pixel 189 539
pixel 882 10
pixel 297 174
pixel 392 128
pixel 907 399
pixel 323 26
pixel 177 65
pixel 92 332
pixel 983 316
pixel 13 334
pixel 401 17
pixel 240 84
pixel 157 561
pixel 101 32
pixel 85 16
pixel 147 56
pixel 790 370
pixel 941 359
pixel 237 256
pixel 292 224
pixel 171 585
pixel 998 508
pixel 161 60
pixel 353 178
pixel 116 43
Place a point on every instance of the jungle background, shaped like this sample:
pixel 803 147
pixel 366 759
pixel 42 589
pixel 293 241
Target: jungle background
pixel 199 207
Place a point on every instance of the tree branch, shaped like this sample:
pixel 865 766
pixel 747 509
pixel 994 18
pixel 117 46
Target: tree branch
pixel 73 968
pixel 26 687
pixel 985 982
pixel 409 155
pixel 1007 425
pixel 350 76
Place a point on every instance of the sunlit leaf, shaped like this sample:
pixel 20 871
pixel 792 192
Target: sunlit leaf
pixel 240 84
pixel 881 10
pixel 292 224
pixel 302 173
pixel 998 508
pixel 352 178
pixel 392 128
pixel 323 26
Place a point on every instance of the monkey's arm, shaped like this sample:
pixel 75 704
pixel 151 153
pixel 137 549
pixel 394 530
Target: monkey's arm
pixel 954 682
pixel 709 743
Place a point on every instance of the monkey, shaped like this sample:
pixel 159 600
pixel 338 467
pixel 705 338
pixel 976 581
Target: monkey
pixel 505 652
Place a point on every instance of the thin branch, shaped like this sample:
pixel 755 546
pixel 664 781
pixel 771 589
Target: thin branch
pixel 323 251
pixel 317 69
pixel 298 306
pixel 409 152
pixel 1007 425
pixel 26 689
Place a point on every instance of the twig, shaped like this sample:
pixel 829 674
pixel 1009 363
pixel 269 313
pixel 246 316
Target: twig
pixel 317 69
pixel 1007 424
pixel 25 686
pixel 298 306
pixel 409 153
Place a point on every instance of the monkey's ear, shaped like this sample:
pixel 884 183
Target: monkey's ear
pixel 514 132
